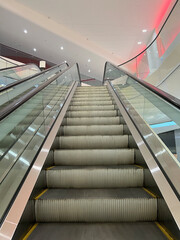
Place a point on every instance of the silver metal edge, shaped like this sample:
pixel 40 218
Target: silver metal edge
pixel 167 192
pixel 12 219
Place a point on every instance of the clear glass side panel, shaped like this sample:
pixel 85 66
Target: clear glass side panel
pixel 8 76
pixel 162 117
pixel 10 95
pixel 24 131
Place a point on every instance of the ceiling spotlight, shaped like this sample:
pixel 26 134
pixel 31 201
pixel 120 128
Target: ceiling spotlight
pixel 65 61
pixel 144 30
pixel 89 70
pixel 89 60
pixel 62 48
pixel 34 49
pixel 139 43
pixel 25 31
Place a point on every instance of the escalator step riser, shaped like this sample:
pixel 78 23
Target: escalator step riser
pixel 91 99
pixel 88 108
pixel 93 121
pixel 93 142
pixel 94 178
pixel 96 210
pixel 91 130
pixel 77 114
pixel 83 95
pixel 94 157
pixel 91 103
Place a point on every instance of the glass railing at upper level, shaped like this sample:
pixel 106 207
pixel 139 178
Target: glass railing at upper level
pixel 7 63
pixel 16 73
pixel 10 93
pixel 158 63
pixel 158 116
pixel 26 128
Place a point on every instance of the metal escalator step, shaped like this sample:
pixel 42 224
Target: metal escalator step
pixel 91 130
pixel 92 121
pixel 90 95
pixel 92 107
pixel 80 103
pixel 97 231
pixel 94 176
pixel 96 205
pixel 94 157
pixel 89 99
pixel 106 113
pixel 93 142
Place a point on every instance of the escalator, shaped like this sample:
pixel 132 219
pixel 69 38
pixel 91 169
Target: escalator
pixel 82 169
pixel 95 187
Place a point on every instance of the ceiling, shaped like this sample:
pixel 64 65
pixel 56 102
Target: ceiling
pixel 99 30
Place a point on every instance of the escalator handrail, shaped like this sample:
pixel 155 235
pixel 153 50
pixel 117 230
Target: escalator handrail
pixel 166 96
pixel 153 39
pixel 28 78
pixel 17 103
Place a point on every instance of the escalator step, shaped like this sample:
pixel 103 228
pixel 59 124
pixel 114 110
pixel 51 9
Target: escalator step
pixel 94 157
pixel 107 113
pixel 94 177
pixel 93 121
pixel 97 231
pixel 91 130
pixel 93 142
pixel 96 205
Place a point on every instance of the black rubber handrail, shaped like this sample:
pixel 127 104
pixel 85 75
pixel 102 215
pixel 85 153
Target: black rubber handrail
pixel 28 78
pixel 17 103
pixel 18 66
pixel 154 38
pixel 166 96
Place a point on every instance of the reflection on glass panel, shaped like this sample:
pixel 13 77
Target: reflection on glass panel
pixel 151 115
pixel 15 92
pixel 161 116
pixel 24 131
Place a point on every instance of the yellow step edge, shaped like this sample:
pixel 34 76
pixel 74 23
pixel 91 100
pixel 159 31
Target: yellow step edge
pixel 151 193
pixel 39 195
pixel 138 166
pixel 164 231
pixel 30 231
pixel 50 167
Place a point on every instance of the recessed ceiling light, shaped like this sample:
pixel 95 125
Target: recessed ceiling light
pixel 89 60
pixel 25 31
pixel 89 70
pixel 65 61
pixel 34 49
pixel 139 43
pixel 62 47
pixel 144 30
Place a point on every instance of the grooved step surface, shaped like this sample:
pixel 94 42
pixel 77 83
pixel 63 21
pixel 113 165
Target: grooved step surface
pixel 94 177
pixel 97 231
pixel 92 130
pixel 80 103
pixel 94 157
pixel 93 142
pixel 107 113
pixel 92 121
pixel 96 205
pixel 88 108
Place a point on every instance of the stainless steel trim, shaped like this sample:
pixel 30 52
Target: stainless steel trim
pixel 164 186
pixel 13 217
